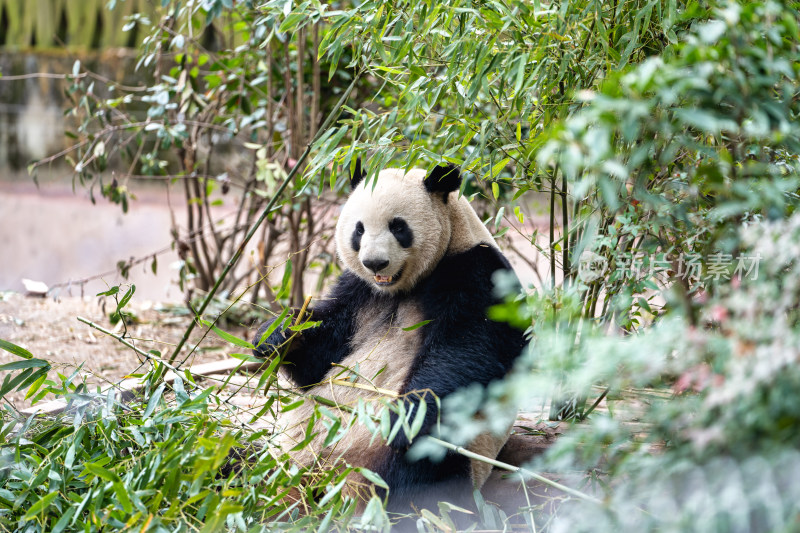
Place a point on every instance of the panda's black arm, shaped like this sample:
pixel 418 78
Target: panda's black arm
pixel 313 351
pixel 460 345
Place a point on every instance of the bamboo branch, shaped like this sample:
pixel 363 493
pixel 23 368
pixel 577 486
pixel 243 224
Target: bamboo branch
pixel 565 261
pixel 371 388
pixel 128 344
pixel 553 230
pixel 512 468
pixel 595 404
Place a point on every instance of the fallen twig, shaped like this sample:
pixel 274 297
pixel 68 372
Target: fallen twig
pixel 512 468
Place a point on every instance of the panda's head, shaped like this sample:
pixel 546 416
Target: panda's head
pixel 394 232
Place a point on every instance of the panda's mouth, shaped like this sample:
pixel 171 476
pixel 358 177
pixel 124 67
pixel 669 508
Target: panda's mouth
pixel 385 281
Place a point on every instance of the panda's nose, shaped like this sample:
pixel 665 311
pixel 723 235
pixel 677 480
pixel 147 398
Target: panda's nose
pixel 376 265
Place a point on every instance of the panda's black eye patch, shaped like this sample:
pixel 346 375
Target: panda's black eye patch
pixel 355 239
pixel 401 232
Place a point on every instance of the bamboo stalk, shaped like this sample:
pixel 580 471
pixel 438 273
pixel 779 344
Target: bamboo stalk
pixel 267 210
pixel 595 404
pixel 302 312
pixel 553 230
pixel 565 262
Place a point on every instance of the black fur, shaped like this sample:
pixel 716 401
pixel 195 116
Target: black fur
pixel 444 179
pixel 401 232
pixel 459 346
pixel 355 239
pixel 357 176
pixel 313 352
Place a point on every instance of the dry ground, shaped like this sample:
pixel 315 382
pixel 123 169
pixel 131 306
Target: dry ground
pixel 50 330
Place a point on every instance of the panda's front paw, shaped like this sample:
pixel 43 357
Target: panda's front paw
pixel 266 347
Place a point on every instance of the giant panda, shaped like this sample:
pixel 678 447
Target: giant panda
pixel 412 252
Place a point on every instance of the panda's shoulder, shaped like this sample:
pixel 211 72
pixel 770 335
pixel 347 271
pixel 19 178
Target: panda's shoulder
pixel 478 262
pixel 468 272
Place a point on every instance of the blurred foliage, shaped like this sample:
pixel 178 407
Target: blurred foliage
pixel 77 26
pixel 663 138
pixel 693 151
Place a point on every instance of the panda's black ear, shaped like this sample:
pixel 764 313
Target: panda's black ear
pixel 358 175
pixel 444 179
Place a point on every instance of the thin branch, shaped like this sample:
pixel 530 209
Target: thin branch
pixel 512 468
pixel 595 404
pixel 267 210
pixel 128 344
pixel 565 264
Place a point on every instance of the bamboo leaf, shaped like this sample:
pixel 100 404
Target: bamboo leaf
pixel 102 473
pixel 28 363
pixel 40 506
pixel 417 325
pixel 153 401
pixel 419 419
pixel 19 351
pixel 372 477
pixel 228 337
pixel 122 496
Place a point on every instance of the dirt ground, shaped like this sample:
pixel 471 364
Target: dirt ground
pixel 50 330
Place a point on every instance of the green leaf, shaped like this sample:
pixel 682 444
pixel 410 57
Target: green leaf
pixel 305 325
pixel 283 291
pixel 110 292
pixel 374 478
pixel 19 351
pixel 417 325
pixel 333 492
pixel 519 215
pixel 216 521
pixel 199 400
pixel 233 339
pixel 122 496
pixel 498 168
pixel 102 473
pixel 272 327
pixel 40 506
pixel 64 520
pixel 34 388
pixel 419 419
pixel 28 363
pixel 291 22
pixel 154 399
pixel 248 358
